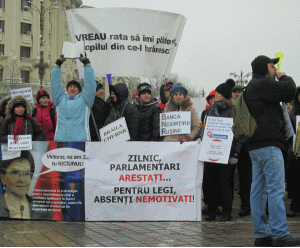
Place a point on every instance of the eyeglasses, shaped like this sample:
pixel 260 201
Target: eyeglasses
pixel 18 174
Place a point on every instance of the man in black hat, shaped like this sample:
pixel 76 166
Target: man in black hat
pixel 99 112
pixel 263 96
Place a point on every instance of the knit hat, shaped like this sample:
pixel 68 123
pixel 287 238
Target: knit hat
pixel 260 64
pixel 42 93
pixel 237 87
pixel 168 86
pixel 76 83
pixel 99 85
pixel 135 94
pixel 225 88
pixel 144 87
pixel 179 88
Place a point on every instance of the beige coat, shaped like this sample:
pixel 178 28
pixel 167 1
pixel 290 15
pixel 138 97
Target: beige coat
pixel 187 105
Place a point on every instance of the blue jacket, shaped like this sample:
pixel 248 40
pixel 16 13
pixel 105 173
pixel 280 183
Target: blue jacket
pixel 73 112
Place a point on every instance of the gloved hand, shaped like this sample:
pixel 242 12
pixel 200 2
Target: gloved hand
pixel 61 60
pixel 84 60
pixel 233 160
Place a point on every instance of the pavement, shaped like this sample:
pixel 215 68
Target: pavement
pixel 238 232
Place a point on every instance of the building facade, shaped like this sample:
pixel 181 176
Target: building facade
pixel 31 38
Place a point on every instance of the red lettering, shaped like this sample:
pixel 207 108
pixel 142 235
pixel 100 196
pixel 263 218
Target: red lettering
pixel 127 177
pixel 180 198
pixel 121 178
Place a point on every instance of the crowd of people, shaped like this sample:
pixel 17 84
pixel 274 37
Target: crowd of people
pixel 261 163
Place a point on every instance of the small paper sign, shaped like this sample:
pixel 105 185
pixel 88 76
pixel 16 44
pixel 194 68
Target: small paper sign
pixel 115 131
pixel 73 50
pixel 23 142
pixel 26 92
pixel 172 123
pixel 217 140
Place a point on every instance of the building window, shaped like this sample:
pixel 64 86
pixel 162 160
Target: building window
pixel 1 49
pixel 2 6
pixel 25 28
pixel 2 26
pixel 25 5
pixel 1 75
pixel 25 76
pixel 24 52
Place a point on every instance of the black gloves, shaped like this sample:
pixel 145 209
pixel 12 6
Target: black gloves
pixel 84 60
pixel 61 60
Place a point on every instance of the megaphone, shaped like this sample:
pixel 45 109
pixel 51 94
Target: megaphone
pixel 279 55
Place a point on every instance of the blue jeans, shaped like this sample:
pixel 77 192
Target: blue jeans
pixel 268 182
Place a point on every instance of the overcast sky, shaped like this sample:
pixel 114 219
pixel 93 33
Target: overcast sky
pixel 224 36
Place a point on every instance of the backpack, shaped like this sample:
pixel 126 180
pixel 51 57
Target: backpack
pixel 244 125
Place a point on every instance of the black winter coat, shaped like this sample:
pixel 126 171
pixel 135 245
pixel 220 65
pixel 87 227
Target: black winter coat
pixel 149 121
pixel 130 111
pixel 263 97
pixel 30 126
pixel 100 112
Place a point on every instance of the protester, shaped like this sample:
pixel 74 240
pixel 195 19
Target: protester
pixel 99 113
pixel 210 100
pixel 244 169
pixel 3 104
pixel 45 113
pixel 179 101
pixel 18 121
pixel 74 107
pixel 289 105
pixel 121 107
pixel 16 175
pixel 236 91
pixel 165 94
pixel 293 165
pixel 149 111
pixel 263 96
pixel 218 176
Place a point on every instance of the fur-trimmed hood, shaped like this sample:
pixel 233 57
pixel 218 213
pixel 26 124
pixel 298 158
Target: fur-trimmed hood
pixel 13 101
pixel 3 104
pixel 185 106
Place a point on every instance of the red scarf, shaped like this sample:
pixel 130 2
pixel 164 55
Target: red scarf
pixel 18 126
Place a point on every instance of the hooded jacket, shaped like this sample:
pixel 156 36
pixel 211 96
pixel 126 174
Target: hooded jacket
pixel 73 112
pixel 123 108
pixel 30 125
pixel 263 101
pixel 187 105
pixel 149 120
pixel 3 104
pixel 44 116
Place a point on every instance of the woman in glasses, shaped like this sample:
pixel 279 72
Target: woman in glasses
pixel 16 175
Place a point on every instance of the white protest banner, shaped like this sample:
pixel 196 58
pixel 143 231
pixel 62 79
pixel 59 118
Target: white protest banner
pixel 23 142
pixel 172 123
pixel 115 131
pixel 143 181
pixel 26 92
pixel 125 41
pixel 217 140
